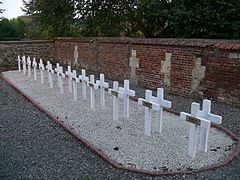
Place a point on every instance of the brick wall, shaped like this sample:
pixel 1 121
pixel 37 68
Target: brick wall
pixel 38 49
pixel 208 68
pixel 203 68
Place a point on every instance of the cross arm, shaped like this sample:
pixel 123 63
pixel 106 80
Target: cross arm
pixel 115 93
pixel 198 121
pixel 148 104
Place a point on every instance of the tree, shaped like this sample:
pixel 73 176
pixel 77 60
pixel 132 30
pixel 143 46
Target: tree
pixel 55 16
pixel 205 19
pixel 9 30
pixel 105 17
pixel 152 17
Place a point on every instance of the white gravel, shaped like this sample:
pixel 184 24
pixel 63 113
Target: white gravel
pixel 159 152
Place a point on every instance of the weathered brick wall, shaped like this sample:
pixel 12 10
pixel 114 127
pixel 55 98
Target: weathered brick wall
pixel 38 49
pixel 222 81
pixel 207 68
pixel 210 68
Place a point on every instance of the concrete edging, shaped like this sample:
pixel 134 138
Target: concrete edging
pixel 115 164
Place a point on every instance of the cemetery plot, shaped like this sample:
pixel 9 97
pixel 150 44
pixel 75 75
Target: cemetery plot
pixel 124 141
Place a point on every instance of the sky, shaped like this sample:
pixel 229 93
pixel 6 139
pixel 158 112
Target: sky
pixel 12 8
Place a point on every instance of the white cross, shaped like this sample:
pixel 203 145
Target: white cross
pixel 74 80
pixel 84 80
pixel 102 85
pixel 29 66
pixel 69 75
pixel 149 105
pixel 116 95
pixel 50 72
pixel 199 118
pixel 92 86
pixel 126 94
pixel 205 113
pixel 61 76
pixel 24 64
pixel 41 67
pixel 163 104
pixel 34 64
pixel 19 63
pixel 57 70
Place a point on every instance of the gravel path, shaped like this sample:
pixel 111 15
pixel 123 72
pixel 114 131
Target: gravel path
pixel 30 157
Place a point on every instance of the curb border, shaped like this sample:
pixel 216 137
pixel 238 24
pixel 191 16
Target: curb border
pixel 119 166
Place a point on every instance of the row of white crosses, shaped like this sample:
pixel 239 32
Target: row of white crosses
pixel 202 118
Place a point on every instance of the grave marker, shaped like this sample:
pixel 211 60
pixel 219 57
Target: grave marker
pixel 92 86
pixel 149 105
pixel 75 54
pixel 134 64
pixel 50 72
pixel 34 64
pixel 102 85
pixel 126 94
pixel 84 80
pixel 199 118
pixel 69 75
pixel 206 114
pixel 24 64
pixel 29 66
pixel 116 94
pixel 61 76
pixel 75 80
pixel 41 67
pixel 19 63
pixel 57 70
pixel 163 104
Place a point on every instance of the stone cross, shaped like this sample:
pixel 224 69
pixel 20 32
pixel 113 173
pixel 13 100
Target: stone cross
pixel 34 64
pixel 50 72
pixel 198 73
pixel 199 118
pixel 74 80
pixel 92 86
pixel 102 85
pixel 166 68
pixel 41 67
pixel 24 64
pixel 134 63
pixel 61 76
pixel 116 95
pixel 57 70
pixel 69 75
pixel 163 104
pixel 29 66
pixel 149 105
pixel 84 80
pixel 76 55
pixel 126 94
pixel 19 63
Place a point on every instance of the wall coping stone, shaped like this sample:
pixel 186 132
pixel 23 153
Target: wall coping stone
pixel 26 42
pixel 201 43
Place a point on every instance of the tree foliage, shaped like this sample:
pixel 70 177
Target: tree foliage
pixel 1 10
pixel 205 19
pixel 56 17
pixel 12 29
pixel 134 18
pixel 105 18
